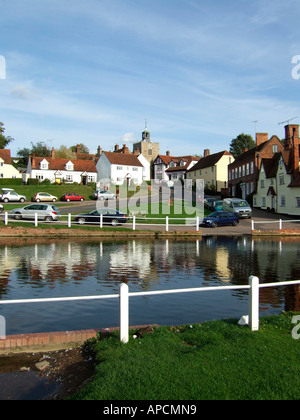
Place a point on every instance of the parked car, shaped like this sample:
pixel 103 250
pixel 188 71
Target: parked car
pixel 44 211
pixel 217 206
pixel 42 196
pixel 110 216
pixel 238 206
pixel 9 194
pixel 220 218
pixel 208 201
pixel 72 197
pixel 104 195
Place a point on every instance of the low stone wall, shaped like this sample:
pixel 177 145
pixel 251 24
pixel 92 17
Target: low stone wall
pixel 276 232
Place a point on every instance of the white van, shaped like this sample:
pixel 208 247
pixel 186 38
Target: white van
pixel 238 206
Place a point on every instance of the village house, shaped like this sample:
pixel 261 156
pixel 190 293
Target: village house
pixel 58 170
pixel 244 171
pixel 278 188
pixel 119 168
pixel 7 170
pixel 213 169
pixel 171 168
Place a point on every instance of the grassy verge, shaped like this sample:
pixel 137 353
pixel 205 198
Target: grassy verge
pixel 217 360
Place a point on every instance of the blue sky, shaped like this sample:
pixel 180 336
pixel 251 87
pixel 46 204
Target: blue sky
pixel 199 71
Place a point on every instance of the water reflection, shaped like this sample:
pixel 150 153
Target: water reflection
pixel 37 268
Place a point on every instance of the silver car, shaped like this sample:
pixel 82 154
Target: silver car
pixel 45 212
pixel 10 195
pixel 104 195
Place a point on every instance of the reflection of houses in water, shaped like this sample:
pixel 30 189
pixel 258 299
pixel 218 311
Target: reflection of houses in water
pixel 144 263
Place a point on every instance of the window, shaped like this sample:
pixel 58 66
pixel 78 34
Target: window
pixel 135 169
pixel 297 201
pixel 262 183
pixel 69 178
pixel 247 169
pixel 119 168
pixel 244 170
pixel 240 172
pixel 252 167
pixel 264 202
pixel 282 201
pixel 275 148
pixel 281 179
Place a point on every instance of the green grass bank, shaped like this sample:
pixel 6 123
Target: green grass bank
pixel 217 360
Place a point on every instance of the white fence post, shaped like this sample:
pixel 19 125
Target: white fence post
pixel 167 224
pixel 6 218
pixel 252 222
pixel 124 313
pixel 254 303
pixel 280 224
pixel 69 220
pixel 197 223
pixel 35 220
pixel 101 221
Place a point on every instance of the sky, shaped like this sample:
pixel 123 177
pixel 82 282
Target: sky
pixel 199 72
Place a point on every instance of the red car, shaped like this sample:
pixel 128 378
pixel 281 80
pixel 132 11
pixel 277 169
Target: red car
pixel 72 197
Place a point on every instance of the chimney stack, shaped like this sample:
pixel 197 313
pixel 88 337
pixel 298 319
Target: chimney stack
pixel 99 151
pixel 261 138
pixel 53 153
pixel 168 153
pixel 292 144
pixel 206 153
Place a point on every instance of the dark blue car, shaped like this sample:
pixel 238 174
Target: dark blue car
pixel 220 218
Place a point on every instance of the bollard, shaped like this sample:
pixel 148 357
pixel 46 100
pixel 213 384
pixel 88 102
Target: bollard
pixel 124 313
pixel 254 303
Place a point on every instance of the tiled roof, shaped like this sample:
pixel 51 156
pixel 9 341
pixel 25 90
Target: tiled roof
pixel 59 164
pixel 5 156
pixel 123 159
pixel 209 161
pixel 186 159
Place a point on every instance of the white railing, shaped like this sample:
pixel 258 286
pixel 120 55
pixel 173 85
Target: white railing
pixel 254 287
pixel 279 223
pixel 134 221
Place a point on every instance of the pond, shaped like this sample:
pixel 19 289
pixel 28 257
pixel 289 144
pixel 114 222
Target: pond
pixel 62 268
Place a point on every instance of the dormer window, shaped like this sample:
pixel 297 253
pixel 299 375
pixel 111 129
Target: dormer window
pixel 44 164
pixel 69 166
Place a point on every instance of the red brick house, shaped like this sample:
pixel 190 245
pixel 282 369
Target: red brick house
pixel 243 173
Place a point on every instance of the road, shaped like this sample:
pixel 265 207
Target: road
pixel 243 228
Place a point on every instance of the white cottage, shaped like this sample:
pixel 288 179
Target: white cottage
pixel 120 168
pixel 7 170
pixel 61 170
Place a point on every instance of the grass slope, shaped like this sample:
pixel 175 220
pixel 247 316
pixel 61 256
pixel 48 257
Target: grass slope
pixel 217 360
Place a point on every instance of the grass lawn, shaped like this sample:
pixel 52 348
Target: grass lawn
pixel 217 360
pixel 57 190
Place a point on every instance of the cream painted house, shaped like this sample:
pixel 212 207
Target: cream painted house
pixel 213 169
pixel 7 170
pixel 278 187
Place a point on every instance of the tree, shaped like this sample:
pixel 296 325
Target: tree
pixel 240 143
pixel 4 140
pixel 39 149
pixel 65 153
pixel 82 149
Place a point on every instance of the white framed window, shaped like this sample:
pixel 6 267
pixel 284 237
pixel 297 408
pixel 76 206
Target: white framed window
pixel 282 201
